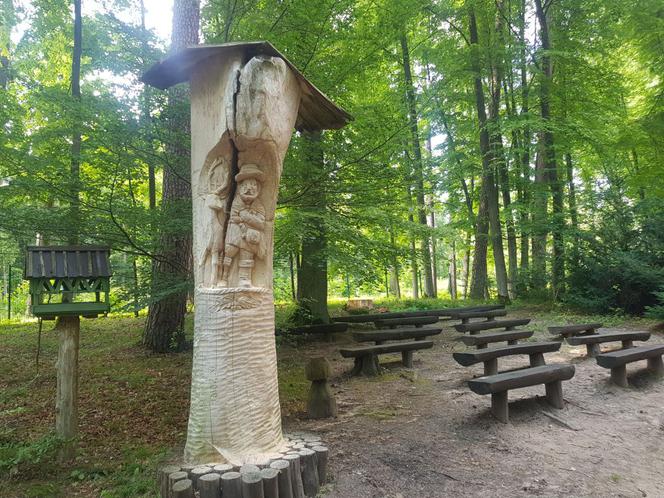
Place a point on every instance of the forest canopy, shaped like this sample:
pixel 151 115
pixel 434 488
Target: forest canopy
pixel 499 149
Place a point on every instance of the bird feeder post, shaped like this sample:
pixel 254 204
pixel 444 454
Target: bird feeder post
pixel 246 99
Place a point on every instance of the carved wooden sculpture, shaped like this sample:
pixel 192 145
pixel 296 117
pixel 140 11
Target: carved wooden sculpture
pixel 246 98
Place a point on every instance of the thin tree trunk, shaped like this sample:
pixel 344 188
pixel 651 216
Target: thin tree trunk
pixel 291 266
pixel 524 217
pixel 418 167
pixel 453 272
pixel 489 195
pixel 573 213
pixel 145 113
pixel 171 274
pixel 550 164
pixel 394 280
pixel 312 276
pixel 465 277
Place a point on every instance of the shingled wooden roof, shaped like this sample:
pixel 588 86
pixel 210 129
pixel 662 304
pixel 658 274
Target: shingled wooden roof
pixel 67 261
pixel 317 111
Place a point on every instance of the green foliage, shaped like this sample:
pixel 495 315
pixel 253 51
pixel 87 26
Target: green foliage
pixel 657 311
pixel 27 457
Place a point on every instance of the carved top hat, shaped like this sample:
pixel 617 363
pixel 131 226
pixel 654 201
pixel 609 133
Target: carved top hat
pixel 249 171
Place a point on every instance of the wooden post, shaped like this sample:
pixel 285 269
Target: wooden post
pixel 407 359
pixel 66 400
pixel 183 489
pixel 252 485
pixel 593 350
pixel 627 344
pixel 231 485
pixel 656 365
pixel 197 472
pixel 537 360
pixel 270 478
pixel 173 479
pixel 209 486
pixel 296 475
pixel 554 394
pixel 491 366
pixel 309 472
pixel 321 460
pixel 499 406
pixel 162 479
pixel 284 478
pixel 619 376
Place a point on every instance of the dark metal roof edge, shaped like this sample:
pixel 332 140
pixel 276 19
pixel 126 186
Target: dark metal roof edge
pixel 68 248
pixel 162 75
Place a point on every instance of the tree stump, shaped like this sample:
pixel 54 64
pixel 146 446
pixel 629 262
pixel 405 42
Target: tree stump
pixel 252 485
pixel 321 460
pixel 321 402
pixel 270 478
pixel 173 478
pixel 296 475
pixel 196 473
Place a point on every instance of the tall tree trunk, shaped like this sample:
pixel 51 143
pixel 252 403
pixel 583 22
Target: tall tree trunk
pixel 418 167
pixel 145 112
pixel 394 279
pixel 489 189
pixel 453 272
pixel 524 217
pixel 171 273
pixel 550 164
pixel 8 22
pixel 573 213
pixel 312 275
pixel 465 275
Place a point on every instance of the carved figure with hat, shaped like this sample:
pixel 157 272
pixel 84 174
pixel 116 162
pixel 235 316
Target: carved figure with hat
pixel 245 235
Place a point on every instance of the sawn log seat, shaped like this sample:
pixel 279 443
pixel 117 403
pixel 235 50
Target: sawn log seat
pixel 498 385
pixel 577 329
pixel 511 336
pixel 366 361
pixel 417 321
pixel 488 314
pixel 475 327
pixel 617 361
pixel 381 336
pixel 489 356
pixel 593 341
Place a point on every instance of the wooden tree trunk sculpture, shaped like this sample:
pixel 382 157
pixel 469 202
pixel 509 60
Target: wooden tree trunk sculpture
pixel 245 101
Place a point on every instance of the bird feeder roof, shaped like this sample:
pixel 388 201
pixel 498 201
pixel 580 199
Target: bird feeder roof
pixel 67 262
pixel 317 111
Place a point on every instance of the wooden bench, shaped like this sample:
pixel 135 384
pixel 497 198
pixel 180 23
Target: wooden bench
pixel 380 336
pixel 617 361
pixel 498 385
pixel 489 356
pixel 444 312
pixel 366 361
pixel 572 330
pixel 511 336
pixel 491 324
pixel 593 341
pixel 488 314
pixel 417 321
pixel 322 328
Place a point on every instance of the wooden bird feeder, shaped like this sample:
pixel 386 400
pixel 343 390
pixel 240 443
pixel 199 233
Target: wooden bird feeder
pixel 80 274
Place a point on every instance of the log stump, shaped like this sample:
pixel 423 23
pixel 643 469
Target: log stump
pixel 321 402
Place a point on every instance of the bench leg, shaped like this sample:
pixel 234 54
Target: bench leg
pixel 627 344
pixel 465 320
pixel 481 346
pixel 407 359
pixel 512 342
pixel 368 365
pixel 537 360
pixel 619 376
pixel 491 367
pixel 656 366
pixel 593 350
pixel 499 406
pixel 554 394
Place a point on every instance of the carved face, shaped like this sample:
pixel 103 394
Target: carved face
pixel 249 189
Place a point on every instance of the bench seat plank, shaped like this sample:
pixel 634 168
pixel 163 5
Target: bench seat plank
pixel 621 357
pixel 447 312
pixel 608 337
pixel 575 329
pixel 507 335
pixel 467 358
pixel 491 324
pixel 393 347
pixel 323 328
pixel 395 335
pixel 417 321
pixel 488 314
pixel 517 379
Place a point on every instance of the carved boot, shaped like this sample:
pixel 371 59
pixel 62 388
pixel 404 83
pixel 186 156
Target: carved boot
pixel 246 265
pixel 225 271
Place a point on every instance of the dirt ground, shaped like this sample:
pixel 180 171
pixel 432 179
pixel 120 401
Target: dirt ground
pixel 423 433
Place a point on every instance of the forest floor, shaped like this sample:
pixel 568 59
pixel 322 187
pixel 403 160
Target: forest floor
pixel 406 433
